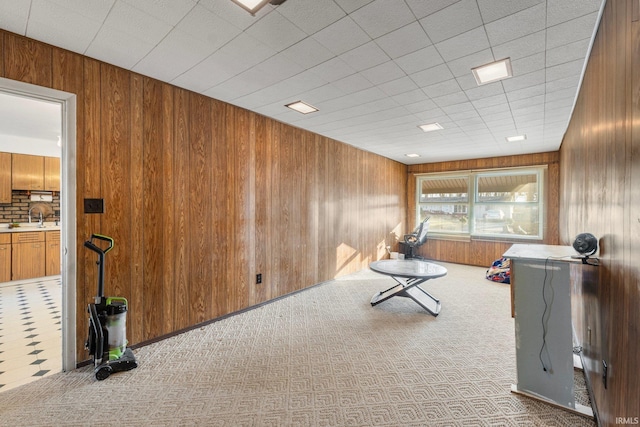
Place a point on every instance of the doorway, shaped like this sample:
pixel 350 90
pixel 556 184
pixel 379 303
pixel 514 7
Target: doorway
pixel 67 205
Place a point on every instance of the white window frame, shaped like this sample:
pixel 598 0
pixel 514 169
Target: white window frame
pixel 472 179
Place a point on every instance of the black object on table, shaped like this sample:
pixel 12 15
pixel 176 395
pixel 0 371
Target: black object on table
pixel 409 274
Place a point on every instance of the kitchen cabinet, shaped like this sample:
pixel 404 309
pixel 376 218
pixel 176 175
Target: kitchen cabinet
pixel 52 174
pixel 27 255
pixel 5 257
pixel 27 172
pixel 5 177
pixel 52 255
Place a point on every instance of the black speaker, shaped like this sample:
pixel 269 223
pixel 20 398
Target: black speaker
pixel 585 244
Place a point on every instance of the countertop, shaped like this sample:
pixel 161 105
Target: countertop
pixel 542 252
pixel 48 226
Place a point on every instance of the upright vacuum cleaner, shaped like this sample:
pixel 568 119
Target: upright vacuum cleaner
pixel 107 341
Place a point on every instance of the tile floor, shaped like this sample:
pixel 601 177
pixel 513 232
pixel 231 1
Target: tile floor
pixel 30 331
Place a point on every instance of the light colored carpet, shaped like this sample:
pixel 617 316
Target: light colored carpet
pixel 322 357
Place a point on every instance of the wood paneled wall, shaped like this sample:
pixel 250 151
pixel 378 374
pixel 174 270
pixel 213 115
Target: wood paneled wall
pixel 200 196
pixel 600 194
pixel 483 252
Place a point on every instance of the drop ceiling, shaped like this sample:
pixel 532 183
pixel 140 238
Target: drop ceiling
pixel 375 69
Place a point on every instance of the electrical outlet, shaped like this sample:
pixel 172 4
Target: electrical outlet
pixel 93 206
pixel 258 278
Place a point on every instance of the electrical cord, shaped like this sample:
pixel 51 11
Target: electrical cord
pixel 544 325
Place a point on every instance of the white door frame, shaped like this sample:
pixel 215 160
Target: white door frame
pixel 67 206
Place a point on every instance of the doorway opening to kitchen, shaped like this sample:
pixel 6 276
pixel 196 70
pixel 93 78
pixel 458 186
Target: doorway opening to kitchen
pixel 37 129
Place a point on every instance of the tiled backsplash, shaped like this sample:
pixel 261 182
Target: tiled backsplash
pixel 18 210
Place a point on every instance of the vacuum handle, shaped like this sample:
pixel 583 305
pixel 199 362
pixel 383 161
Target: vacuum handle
pixel 89 244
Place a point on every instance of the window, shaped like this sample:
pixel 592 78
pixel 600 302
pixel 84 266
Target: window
pixel 496 203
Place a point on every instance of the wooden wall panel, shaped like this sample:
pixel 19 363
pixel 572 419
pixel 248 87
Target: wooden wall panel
pixel 200 196
pixel 600 194
pixel 201 209
pixel 27 60
pixel 181 302
pixel 136 326
pixel 483 252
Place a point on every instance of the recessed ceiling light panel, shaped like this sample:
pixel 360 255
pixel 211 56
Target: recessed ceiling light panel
pixel 302 107
pixel 431 127
pixel 516 138
pixel 251 6
pixel 412 155
pixel 493 72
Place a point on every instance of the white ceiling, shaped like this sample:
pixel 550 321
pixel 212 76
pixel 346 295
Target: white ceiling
pixel 376 69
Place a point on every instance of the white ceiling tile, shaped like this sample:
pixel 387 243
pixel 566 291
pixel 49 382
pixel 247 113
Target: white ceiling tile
pixel 383 73
pixel 420 60
pixel 483 91
pixel 308 53
pixel 560 84
pixel 118 48
pixel 424 106
pixel 416 95
pixel 352 5
pixel 431 76
pixel 462 66
pixel 519 24
pixel 60 26
pixel 422 8
pixel 276 31
pixel 383 16
pixel 521 47
pixel 457 108
pixel 490 101
pixel 95 10
pixel 363 57
pixel 321 94
pixel 291 87
pixel 442 88
pixel 492 10
pixel 568 69
pixel 212 71
pixel 208 28
pixel 527 102
pixel 14 16
pixel 398 86
pixel 333 69
pixel 569 92
pixel 463 44
pixel 467 82
pixel 466 118
pixel 567 52
pixel 403 41
pixel 352 83
pixel 169 11
pixel 127 19
pixel 342 36
pixel 565 10
pixel 311 15
pixel 494 110
pixel 452 99
pixel 526 80
pixel 571 31
pixel 154 63
pixel 529 64
pixel 234 14
pixel 527 92
pixel 451 21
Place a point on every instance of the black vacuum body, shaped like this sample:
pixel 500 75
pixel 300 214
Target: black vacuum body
pixel 107 341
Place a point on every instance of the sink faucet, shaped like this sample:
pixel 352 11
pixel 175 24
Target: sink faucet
pixel 32 207
pixel 40 218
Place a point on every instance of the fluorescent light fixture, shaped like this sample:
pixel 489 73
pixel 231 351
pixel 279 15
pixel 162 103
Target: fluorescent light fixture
pixel 302 107
pixel 251 6
pixel 412 155
pixel 516 138
pixel 431 127
pixel 493 72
